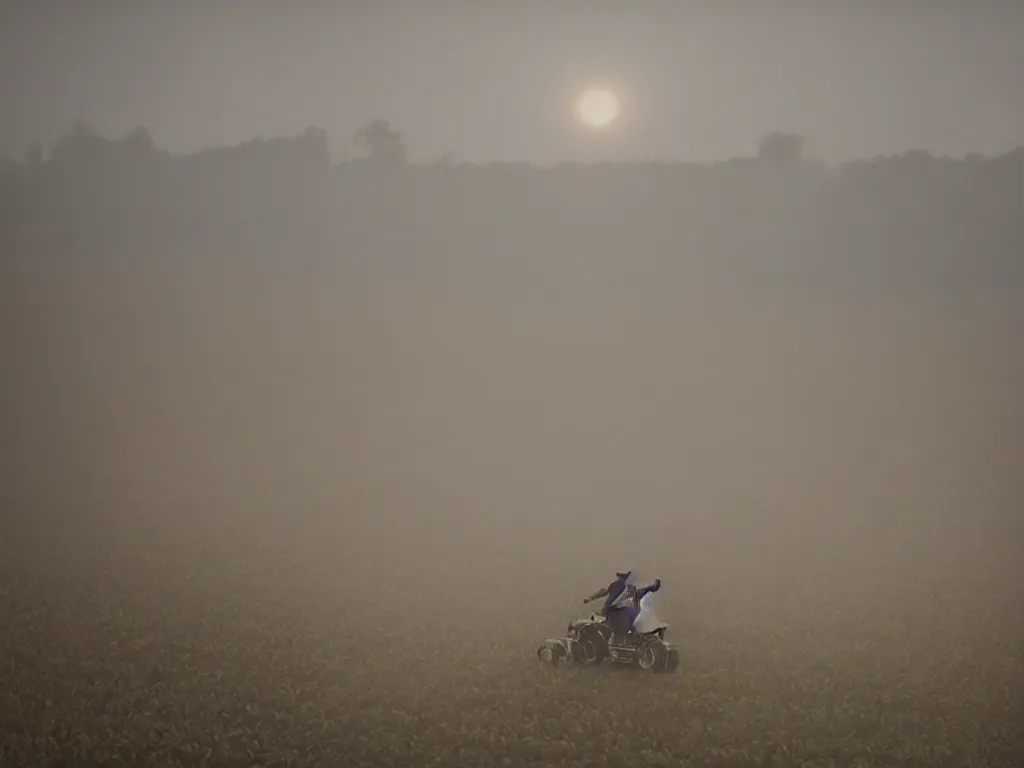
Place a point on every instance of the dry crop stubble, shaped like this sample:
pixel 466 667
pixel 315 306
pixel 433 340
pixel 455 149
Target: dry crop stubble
pixel 176 656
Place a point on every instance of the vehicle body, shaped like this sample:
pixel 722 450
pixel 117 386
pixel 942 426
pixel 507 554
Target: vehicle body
pixel 588 642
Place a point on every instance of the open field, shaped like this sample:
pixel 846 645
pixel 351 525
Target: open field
pixel 183 642
pixel 333 535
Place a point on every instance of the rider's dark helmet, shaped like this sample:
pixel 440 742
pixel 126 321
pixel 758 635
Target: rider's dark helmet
pixel 623 576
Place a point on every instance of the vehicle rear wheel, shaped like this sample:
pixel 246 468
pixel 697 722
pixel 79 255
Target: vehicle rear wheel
pixel 652 656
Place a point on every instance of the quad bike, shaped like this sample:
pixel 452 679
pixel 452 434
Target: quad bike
pixel 588 642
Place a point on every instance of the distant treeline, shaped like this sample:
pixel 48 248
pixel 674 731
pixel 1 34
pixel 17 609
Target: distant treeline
pixel 892 224
pixel 260 326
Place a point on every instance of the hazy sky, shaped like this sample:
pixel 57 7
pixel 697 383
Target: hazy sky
pixel 497 80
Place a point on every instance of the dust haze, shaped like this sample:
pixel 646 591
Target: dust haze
pixel 305 451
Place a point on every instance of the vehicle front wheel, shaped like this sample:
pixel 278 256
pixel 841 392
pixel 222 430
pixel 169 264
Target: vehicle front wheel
pixel 591 648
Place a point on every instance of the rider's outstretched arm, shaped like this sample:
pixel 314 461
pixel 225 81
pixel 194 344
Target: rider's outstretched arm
pixel 643 591
pixel 600 593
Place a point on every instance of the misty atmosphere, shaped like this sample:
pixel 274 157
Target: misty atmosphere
pixel 312 435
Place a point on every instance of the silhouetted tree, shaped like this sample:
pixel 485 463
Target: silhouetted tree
pixel 445 160
pixel 383 146
pixel 82 145
pixel 140 143
pixel 782 149
pixel 317 147
pixel 82 129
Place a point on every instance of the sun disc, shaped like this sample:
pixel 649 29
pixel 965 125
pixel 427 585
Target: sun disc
pixel 597 108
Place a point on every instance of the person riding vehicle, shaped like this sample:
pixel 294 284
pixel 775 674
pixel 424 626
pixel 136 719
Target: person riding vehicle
pixel 622 603
pixel 612 592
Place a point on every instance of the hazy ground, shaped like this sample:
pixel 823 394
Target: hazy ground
pixel 329 523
